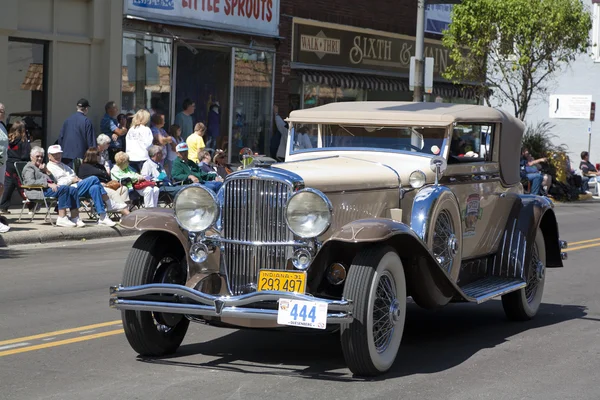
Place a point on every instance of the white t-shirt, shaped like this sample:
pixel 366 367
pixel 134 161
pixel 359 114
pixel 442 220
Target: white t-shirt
pixel 63 174
pixel 137 141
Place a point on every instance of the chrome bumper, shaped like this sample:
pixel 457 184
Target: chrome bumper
pixel 192 302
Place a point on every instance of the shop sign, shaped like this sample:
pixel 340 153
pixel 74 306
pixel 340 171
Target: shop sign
pixel 247 16
pixel 323 45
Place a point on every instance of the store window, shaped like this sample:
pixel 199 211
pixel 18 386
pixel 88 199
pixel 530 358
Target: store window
pixel 318 95
pixel 252 102
pixel 26 87
pixel 146 74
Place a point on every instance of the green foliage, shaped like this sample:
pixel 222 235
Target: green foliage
pixel 538 139
pixel 519 44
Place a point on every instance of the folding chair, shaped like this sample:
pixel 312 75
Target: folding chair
pixel 48 201
pixel 87 203
pixel 166 195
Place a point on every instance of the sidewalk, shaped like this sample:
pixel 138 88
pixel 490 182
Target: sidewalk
pixel 38 231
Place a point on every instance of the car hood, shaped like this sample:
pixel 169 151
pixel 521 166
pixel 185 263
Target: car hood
pixel 340 173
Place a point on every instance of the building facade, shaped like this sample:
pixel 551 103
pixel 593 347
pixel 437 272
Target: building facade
pixel 52 53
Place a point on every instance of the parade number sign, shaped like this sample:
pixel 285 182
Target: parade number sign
pixel 247 16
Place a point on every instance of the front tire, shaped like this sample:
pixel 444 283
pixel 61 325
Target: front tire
pixel 377 286
pixel 154 258
pixel 524 304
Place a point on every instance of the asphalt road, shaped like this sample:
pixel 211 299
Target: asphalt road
pixel 60 340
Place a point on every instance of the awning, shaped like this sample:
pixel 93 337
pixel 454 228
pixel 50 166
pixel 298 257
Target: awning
pixel 383 83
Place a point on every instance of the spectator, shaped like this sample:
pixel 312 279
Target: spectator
pixel 220 160
pixel 535 178
pixel 35 172
pixel 175 134
pixel 88 187
pixel 195 142
pixel 77 134
pixel 184 118
pixel 103 145
pixel 122 171
pixel 110 126
pixel 18 150
pixel 138 139
pixel 161 138
pixel 154 171
pixel 282 130
pixel 91 167
pixel 205 158
pixel 187 171
pixel 587 171
pixel 3 159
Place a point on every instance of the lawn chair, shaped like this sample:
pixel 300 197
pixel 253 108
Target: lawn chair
pixel 48 201
pixel 87 203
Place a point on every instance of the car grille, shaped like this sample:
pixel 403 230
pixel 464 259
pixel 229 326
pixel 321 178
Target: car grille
pixel 253 210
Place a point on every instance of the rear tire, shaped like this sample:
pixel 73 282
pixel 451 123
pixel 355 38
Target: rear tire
pixel 154 260
pixel 377 286
pixel 524 304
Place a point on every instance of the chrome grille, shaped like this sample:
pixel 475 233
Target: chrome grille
pixel 253 210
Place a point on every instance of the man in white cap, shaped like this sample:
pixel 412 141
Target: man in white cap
pixel 88 187
pixel 188 171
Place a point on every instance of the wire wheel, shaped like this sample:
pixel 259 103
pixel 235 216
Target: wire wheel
pixel 444 244
pixel 385 312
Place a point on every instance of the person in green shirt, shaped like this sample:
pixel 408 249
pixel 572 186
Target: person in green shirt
pixel 186 171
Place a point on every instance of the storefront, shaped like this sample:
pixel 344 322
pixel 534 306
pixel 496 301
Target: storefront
pixel 218 53
pixel 332 63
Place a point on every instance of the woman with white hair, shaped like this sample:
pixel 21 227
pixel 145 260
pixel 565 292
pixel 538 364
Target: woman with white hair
pixel 138 139
pixel 103 142
pixel 122 171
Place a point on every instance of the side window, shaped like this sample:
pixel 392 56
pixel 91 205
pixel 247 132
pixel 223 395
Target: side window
pixel 471 143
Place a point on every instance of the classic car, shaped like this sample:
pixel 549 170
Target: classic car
pixel 376 202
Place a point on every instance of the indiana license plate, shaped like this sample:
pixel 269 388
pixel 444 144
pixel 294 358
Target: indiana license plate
pixel 284 281
pixel 306 314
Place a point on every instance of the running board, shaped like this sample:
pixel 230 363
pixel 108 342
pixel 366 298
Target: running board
pixel 489 287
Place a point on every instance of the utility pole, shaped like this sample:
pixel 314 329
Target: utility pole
pixel 419 50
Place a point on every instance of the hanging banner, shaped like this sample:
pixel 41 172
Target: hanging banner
pixel 437 17
pixel 244 16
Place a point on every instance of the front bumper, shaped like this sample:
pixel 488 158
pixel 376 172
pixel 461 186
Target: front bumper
pixel 183 300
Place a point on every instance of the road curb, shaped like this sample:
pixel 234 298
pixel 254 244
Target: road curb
pixel 63 234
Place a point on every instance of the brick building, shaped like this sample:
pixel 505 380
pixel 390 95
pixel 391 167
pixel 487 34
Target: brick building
pixel 352 50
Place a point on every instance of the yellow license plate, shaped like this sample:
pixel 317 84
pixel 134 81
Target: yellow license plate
pixel 283 281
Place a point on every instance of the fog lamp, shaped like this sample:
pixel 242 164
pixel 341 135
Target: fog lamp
pixel 301 259
pixel 199 252
pixel 336 274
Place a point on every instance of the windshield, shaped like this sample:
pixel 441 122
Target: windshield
pixel 426 140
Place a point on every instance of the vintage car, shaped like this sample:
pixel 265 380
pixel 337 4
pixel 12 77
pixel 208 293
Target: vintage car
pixel 375 202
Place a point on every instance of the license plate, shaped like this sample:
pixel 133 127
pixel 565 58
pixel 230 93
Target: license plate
pixel 282 280
pixel 306 314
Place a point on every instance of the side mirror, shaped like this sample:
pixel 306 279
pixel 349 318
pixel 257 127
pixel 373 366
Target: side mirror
pixel 438 165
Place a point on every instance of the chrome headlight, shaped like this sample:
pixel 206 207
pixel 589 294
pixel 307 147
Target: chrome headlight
pixel 196 208
pixel 308 213
pixel 417 179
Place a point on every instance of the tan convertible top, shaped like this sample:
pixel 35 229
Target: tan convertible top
pixel 424 114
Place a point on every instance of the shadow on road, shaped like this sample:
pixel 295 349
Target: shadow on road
pixel 433 341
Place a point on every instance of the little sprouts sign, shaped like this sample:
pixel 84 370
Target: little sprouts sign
pixel 247 16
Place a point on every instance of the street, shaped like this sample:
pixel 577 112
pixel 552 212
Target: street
pixel 60 340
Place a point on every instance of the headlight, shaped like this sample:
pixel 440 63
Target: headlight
pixel 417 179
pixel 308 213
pixel 196 208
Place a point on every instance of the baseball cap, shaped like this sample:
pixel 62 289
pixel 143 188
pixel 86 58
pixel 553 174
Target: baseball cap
pixel 83 103
pixel 55 148
pixel 181 147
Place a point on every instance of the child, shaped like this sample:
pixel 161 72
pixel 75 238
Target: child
pixel 195 142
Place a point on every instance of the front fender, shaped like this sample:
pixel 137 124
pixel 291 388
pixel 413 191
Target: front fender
pixel 538 212
pixel 428 284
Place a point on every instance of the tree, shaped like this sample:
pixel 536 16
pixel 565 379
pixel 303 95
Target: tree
pixel 519 44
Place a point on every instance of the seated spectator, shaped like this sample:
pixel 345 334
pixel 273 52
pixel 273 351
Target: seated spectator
pixel 118 195
pixel 535 178
pixel 187 171
pixel 122 171
pixel 195 142
pixel 35 172
pixel 104 159
pixel 18 150
pixel 205 165
pixel 220 160
pixel 152 170
pixel 88 187
pixel 536 168
pixel 587 170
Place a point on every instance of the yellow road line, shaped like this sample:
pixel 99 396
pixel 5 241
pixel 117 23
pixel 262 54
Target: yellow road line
pixel 60 342
pixel 62 332
pixel 570 249
pixel 583 241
